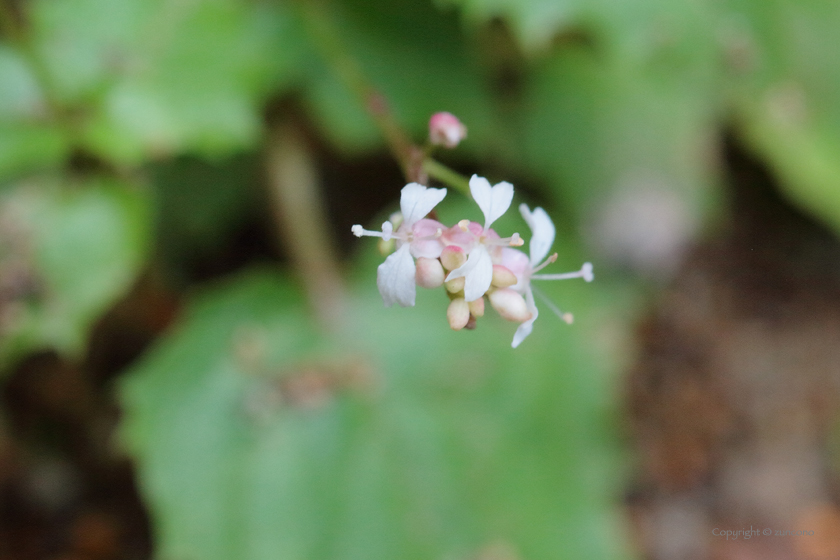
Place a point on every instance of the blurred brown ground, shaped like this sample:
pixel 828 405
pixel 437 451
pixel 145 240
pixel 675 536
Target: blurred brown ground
pixel 733 402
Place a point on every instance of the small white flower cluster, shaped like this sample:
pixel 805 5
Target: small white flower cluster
pixel 471 260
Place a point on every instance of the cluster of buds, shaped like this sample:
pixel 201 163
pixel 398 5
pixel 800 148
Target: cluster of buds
pixel 470 260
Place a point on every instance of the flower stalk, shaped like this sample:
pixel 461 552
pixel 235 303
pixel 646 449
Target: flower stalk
pixel 300 218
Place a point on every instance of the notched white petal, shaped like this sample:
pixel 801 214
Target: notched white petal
pixel 395 278
pixel 526 327
pixel 477 273
pixel 493 201
pixel 542 232
pixel 416 201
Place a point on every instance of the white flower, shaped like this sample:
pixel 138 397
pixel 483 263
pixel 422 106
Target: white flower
pixel 542 237
pixel 415 237
pixel 478 270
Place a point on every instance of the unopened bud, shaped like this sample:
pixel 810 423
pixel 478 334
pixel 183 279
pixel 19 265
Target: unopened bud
pixel 452 257
pixel 446 130
pixel 477 307
pixel 429 273
pixel 455 285
pixel 510 305
pixel 458 313
pixel 503 277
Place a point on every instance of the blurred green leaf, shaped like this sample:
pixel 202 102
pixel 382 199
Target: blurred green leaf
pixel 783 56
pixel 199 205
pixel 28 140
pixel 593 127
pixel 162 77
pixel 81 244
pixel 258 438
pixel 410 53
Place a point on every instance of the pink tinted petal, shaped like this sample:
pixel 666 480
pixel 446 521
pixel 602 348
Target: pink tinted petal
pixel 517 262
pixel 431 246
pixel 477 273
pixel 495 250
pixel 427 228
pixel 526 327
pixel 395 278
pixel 428 248
pixel 456 236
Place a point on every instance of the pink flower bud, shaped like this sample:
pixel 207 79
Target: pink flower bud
pixel 477 307
pixel 429 273
pixel 458 313
pixel 503 277
pixel 446 130
pixel 510 305
pixel 455 285
pixel 452 257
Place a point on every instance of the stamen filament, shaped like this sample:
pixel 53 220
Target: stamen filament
pixel 513 241
pixel 387 231
pixel 437 235
pixel 568 318
pixel 545 263
pixel 585 272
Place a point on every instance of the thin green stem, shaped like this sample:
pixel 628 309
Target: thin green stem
pixel 302 224
pixel 326 36
pixel 415 161
pixel 447 176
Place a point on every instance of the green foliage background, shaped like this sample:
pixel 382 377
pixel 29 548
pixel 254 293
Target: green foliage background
pixel 456 442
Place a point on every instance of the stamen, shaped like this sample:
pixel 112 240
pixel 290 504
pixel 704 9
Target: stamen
pixel 386 233
pixel 436 235
pixel 545 263
pixel 565 317
pixel 513 241
pixel 464 225
pixel 585 272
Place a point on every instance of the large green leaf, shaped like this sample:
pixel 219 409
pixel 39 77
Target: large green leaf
pixel 257 437
pixel 163 76
pixel 786 95
pixel 81 244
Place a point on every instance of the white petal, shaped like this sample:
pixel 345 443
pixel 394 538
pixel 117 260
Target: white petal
pixel 542 232
pixel 477 273
pixel 395 278
pixel 493 201
pixel 416 201
pixel 525 328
